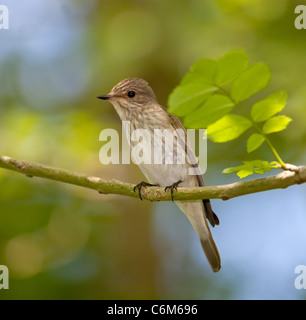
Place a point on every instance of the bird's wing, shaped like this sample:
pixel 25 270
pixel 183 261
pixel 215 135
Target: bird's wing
pixel 176 124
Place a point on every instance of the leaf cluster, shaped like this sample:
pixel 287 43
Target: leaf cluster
pixel 210 95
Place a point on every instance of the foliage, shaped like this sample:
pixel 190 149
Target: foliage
pixel 213 89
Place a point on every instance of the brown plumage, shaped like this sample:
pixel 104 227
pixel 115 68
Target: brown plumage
pixel 135 101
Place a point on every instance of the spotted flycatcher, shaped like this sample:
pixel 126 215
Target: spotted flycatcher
pixel 135 101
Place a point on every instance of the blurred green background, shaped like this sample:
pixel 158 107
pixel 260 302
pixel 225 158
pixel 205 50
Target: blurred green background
pixel 65 242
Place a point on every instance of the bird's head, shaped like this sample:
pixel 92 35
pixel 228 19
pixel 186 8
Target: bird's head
pixel 131 93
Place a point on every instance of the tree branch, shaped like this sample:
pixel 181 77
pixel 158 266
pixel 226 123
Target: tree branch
pixel 293 175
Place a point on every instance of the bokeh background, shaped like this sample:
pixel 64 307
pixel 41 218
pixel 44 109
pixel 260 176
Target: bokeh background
pixel 65 242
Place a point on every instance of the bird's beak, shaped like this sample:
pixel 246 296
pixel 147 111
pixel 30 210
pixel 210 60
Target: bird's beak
pixel 105 97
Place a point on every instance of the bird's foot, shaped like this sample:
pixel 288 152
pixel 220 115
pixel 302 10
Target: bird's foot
pixel 172 187
pixel 143 184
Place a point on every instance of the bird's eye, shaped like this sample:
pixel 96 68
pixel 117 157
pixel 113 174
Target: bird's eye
pixel 131 94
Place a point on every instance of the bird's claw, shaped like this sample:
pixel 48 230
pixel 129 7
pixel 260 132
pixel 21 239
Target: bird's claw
pixel 172 187
pixel 143 184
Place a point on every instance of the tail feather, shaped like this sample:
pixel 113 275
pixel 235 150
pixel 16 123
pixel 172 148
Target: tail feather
pixel 210 215
pixel 194 212
pixel 212 254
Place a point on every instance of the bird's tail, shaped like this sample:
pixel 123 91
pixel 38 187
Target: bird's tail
pixel 195 213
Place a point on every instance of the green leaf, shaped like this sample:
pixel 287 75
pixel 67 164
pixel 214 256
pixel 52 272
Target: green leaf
pixel 230 66
pixel 203 71
pixel 254 142
pixel 254 79
pixel 212 110
pixel 244 173
pixel 249 167
pixel 269 106
pixel 228 128
pixel 276 124
pixel 275 164
pixel 230 170
pixel 187 97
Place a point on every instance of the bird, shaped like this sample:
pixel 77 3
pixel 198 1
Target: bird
pixel 135 101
